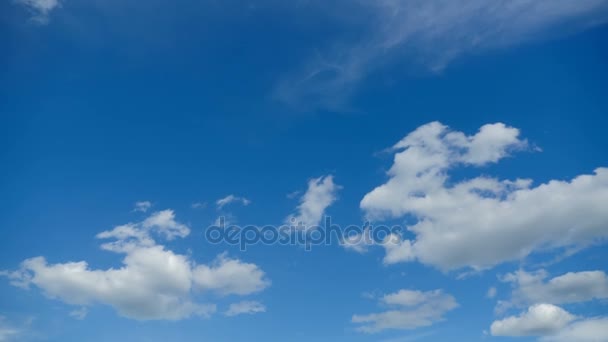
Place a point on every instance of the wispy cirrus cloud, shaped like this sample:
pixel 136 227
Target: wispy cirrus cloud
pixel 222 202
pixel 40 9
pixel 430 34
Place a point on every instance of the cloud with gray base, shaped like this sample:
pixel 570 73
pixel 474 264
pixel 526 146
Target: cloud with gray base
pixel 482 221
pixel 550 323
pixel 153 283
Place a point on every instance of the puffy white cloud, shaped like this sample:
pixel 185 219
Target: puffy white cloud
pixel 245 307
pixel 40 8
pixel 572 287
pixel 429 33
pixel 222 202
pixel 152 283
pixel 142 206
pixel 135 235
pixel 410 309
pixel 538 320
pixel 321 193
pixel 587 330
pixel 482 221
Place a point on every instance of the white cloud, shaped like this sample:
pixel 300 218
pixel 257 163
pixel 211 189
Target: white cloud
pixel 152 283
pixel 409 310
pixel 480 222
pixel 40 8
pixel 245 307
pixel 222 202
pixel 539 320
pixel 321 193
pixel 572 287
pixel 587 330
pixel 432 34
pixel 142 206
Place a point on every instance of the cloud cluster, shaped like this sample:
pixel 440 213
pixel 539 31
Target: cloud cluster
pixel 153 282
pixel 410 309
pixel 544 318
pixel 321 193
pixel 482 221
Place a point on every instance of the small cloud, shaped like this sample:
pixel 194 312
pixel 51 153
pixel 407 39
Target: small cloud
pixel 245 307
pixel 321 193
pixel 222 202
pixel 199 205
pixel 408 309
pixel 491 292
pixel 79 314
pixel 142 206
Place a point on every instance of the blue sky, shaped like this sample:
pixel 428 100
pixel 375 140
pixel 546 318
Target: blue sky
pixel 128 128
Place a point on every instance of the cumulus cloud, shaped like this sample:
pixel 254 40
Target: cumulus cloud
pixel 153 282
pixel 222 202
pixel 482 221
pixel 142 206
pixel 321 193
pixel 410 309
pixel 572 287
pixel 245 307
pixel 431 34
pixel 551 323
pixel 538 320
pixel 40 8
